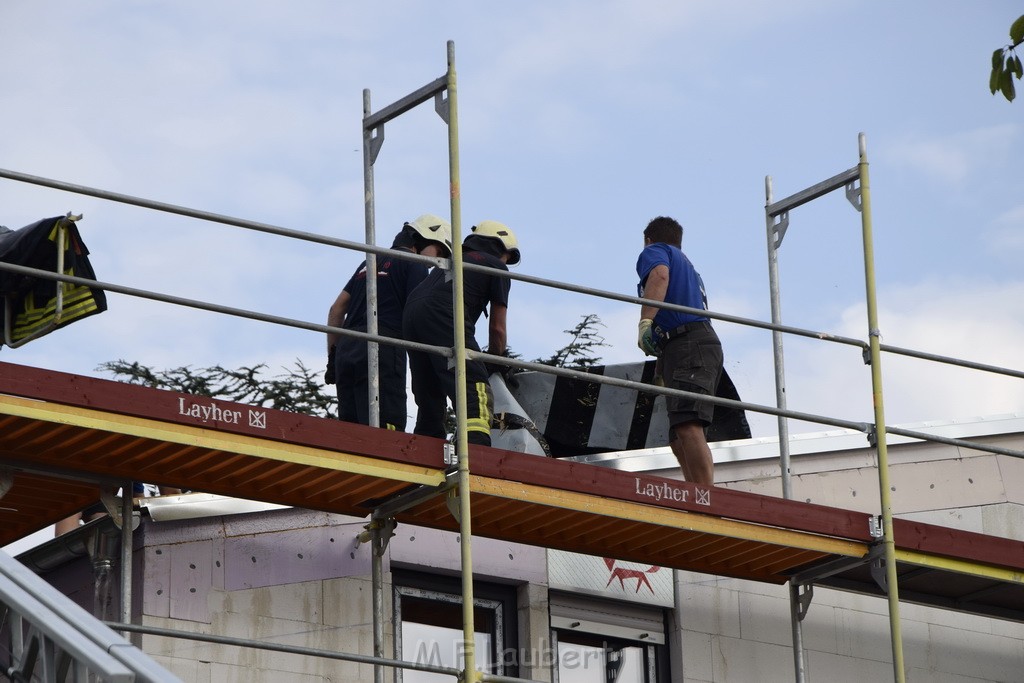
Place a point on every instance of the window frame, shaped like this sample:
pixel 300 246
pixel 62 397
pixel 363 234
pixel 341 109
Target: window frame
pixel 497 598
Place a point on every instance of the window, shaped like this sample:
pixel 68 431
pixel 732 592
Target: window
pixel 600 641
pixel 428 626
pixel 585 658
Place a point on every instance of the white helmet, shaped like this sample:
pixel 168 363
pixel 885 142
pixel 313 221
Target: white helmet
pixel 504 234
pixel 433 229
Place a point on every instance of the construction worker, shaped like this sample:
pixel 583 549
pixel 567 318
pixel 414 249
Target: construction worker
pixel 689 352
pixel 347 356
pixel 430 319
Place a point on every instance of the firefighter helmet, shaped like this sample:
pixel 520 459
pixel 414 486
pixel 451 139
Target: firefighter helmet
pixel 503 234
pixel 433 229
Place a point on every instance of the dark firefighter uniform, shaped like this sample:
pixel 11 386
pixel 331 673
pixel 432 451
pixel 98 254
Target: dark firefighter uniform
pixel 429 319
pixel 396 279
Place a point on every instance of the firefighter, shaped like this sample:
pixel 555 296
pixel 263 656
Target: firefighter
pixel 430 319
pixel 428 235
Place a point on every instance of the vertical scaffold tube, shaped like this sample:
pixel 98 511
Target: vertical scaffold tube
pixel 127 541
pixel 372 350
pixel 470 675
pixel 774 241
pixel 377 582
pixel 777 352
pixel 874 335
pixel 373 377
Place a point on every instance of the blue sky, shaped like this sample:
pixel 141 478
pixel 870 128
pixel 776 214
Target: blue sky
pixel 579 121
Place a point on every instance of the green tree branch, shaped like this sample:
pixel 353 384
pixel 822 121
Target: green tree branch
pixel 1006 64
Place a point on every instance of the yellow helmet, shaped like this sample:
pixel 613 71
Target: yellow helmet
pixel 502 233
pixel 434 229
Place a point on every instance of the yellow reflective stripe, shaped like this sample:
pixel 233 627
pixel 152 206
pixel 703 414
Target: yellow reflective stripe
pixel 53 236
pixel 482 423
pixel 78 302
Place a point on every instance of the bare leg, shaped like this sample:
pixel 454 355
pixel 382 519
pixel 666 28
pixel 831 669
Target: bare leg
pixel 692 451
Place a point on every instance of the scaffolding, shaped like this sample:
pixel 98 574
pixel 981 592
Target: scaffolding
pixel 439 477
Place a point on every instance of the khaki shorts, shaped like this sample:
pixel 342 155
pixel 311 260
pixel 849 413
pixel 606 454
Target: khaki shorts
pixel 692 362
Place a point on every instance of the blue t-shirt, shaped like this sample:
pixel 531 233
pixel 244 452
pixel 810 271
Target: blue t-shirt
pixel 685 287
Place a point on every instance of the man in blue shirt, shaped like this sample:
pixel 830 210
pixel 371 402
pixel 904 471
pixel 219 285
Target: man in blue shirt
pixel 689 351
pixel 347 356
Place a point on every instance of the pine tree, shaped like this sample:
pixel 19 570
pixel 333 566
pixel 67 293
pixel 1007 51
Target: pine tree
pixel 579 352
pixel 300 390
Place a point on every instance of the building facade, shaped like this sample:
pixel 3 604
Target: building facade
pixel 302 578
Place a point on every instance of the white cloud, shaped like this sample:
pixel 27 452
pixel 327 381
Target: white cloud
pixel 954 159
pixel 1006 238
pixel 979 321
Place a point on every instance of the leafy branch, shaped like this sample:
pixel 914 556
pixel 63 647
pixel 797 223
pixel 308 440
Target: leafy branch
pixel 1006 64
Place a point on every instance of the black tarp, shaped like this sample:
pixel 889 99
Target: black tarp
pixel 33 300
pixel 578 417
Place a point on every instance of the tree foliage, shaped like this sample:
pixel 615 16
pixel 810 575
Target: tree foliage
pixel 579 352
pixel 299 389
pixel 1006 64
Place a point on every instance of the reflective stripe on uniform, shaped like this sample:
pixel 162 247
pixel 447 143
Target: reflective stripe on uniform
pixel 483 422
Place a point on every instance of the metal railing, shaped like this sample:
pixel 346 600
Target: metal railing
pixel 51 637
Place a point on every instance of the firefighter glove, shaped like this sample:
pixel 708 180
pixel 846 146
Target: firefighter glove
pixel 645 338
pixel 329 373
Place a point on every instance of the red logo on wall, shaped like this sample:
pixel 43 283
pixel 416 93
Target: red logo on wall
pixel 625 573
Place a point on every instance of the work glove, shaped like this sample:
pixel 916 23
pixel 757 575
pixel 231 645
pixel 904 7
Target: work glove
pixel 329 373
pixel 645 338
pixel 505 371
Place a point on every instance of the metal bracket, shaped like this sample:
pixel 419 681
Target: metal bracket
pixel 385 531
pixel 872 436
pixel 818 573
pixel 452 502
pixel 375 139
pixel 779 228
pixel 853 195
pixel 441 106
pixel 410 499
pixel 450 457
pixel 878 573
pixel 113 505
pixel 377 533
pixel 875 527
pixel 803 600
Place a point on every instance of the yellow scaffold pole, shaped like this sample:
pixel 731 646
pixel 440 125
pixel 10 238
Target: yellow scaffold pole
pixel 470 675
pixel 874 338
